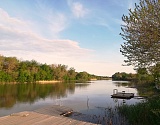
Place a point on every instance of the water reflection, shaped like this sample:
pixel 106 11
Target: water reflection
pixel 81 97
pixel 81 85
pixel 122 83
pixel 10 94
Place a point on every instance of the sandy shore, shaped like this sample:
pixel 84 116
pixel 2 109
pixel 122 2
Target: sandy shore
pixel 40 82
pixel 51 81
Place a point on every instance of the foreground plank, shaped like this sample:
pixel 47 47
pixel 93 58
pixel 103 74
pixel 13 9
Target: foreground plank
pixel 50 115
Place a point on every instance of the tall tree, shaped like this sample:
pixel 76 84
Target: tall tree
pixel 84 76
pixel 71 74
pixel 60 71
pixel 141 32
pixel 2 58
pixel 10 64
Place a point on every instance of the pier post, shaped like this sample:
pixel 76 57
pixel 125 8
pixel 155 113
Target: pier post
pixel 115 91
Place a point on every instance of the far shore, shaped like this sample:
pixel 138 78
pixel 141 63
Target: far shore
pixel 39 82
pixel 48 81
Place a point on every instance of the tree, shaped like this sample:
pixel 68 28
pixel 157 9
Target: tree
pixel 2 58
pixel 71 74
pixel 123 76
pixel 82 76
pixel 144 76
pixel 10 64
pixel 60 71
pixel 141 32
pixel 155 70
pixel 46 72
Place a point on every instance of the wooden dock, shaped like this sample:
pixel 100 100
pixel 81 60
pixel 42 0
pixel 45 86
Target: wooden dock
pixel 122 95
pixel 55 110
pixel 53 115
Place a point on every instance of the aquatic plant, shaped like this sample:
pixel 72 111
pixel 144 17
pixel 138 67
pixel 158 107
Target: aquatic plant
pixel 144 113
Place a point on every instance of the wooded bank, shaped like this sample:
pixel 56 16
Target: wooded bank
pixel 13 70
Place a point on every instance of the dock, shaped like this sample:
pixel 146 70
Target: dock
pixel 52 115
pixel 122 95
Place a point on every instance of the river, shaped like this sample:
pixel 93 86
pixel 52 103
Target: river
pixel 87 98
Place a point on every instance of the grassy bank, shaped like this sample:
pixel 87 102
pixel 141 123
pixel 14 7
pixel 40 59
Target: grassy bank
pixel 144 113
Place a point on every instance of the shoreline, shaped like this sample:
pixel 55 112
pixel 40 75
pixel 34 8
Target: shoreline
pixel 39 82
pixel 48 81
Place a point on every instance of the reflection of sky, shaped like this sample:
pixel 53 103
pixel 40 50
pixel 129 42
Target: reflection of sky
pixel 97 94
pixel 85 99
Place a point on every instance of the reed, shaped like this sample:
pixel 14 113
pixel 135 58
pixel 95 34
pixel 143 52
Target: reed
pixel 108 116
pixel 144 113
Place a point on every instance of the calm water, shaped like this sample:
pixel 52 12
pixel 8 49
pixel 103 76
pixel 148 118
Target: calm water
pixel 88 98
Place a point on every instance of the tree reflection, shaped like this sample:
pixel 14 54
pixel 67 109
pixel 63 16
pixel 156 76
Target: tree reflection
pixel 12 93
pixel 124 83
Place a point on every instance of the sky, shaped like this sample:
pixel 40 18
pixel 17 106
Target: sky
pixel 83 34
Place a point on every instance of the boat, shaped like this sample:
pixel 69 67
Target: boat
pixel 122 95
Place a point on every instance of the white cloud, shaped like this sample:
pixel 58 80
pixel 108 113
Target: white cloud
pixel 57 22
pixel 12 23
pixel 28 45
pixel 12 41
pixel 69 54
pixel 27 40
pixel 51 22
pixel 78 10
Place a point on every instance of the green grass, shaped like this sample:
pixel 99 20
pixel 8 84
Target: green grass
pixel 144 113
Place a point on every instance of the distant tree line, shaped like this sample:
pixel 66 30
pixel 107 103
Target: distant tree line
pixel 122 76
pixel 142 76
pixel 14 70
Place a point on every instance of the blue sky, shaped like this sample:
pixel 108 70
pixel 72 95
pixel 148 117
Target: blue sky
pixel 83 34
